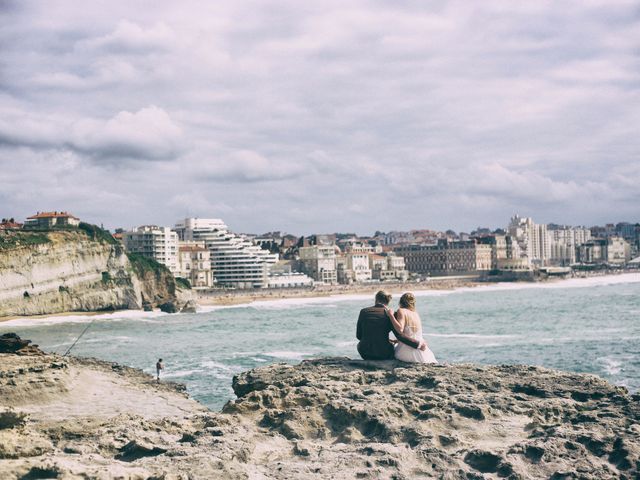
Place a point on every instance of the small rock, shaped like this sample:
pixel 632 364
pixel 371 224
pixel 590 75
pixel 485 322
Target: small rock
pixel 469 411
pixel 136 449
pixel 11 419
pixel 189 307
pixel 301 451
pixel 168 307
pixel 485 462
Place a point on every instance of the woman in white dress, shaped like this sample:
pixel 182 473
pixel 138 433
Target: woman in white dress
pixel 407 321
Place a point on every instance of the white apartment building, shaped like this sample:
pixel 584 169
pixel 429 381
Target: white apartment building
pixel 235 260
pixel 289 280
pixel 532 239
pixel 388 267
pixel 618 250
pixel 157 243
pixel 194 263
pixel 319 262
pixel 358 263
pixel 564 243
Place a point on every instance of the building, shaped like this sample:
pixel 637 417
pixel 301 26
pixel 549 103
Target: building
pixel 564 242
pixel 319 262
pixel 283 276
pixel 157 243
pixel 10 224
pixel 618 251
pixel 611 250
pixel 194 264
pixel 532 239
pixel 498 244
pixel 47 220
pixel 388 267
pixel 289 280
pixel 447 257
pixel 235 260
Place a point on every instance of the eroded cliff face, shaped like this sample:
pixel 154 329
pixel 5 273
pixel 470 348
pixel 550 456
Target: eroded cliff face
pixel 72 272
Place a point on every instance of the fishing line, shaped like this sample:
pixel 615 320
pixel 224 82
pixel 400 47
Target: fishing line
pixel 79 337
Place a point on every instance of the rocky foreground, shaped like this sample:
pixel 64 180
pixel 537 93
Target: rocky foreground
pixel 73 418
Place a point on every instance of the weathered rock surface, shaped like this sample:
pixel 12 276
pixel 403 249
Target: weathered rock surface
pixel 328 418
pixel 12 343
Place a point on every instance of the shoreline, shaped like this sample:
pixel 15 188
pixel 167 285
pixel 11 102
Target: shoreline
pixel 223 298
pixel 247 297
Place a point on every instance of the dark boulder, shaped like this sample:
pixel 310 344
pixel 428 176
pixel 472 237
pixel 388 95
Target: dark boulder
pixel 168 307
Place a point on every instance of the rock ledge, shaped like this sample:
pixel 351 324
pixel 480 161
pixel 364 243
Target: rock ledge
pixel 326 418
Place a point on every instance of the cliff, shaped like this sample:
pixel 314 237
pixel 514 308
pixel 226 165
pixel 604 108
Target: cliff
pixel 328 419
pixel 75 270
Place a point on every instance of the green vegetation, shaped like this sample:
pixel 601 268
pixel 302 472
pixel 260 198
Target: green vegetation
pixel 106 277
pixel 63 289
pixel 15 239
pixel 96 233
pixel 143 264
pixel 183 283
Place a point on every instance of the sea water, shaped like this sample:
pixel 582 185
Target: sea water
pixel 582 325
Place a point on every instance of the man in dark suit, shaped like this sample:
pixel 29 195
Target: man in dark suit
pixel 373 330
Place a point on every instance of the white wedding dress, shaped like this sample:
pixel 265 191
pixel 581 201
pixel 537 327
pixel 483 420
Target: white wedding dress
pixel 413 355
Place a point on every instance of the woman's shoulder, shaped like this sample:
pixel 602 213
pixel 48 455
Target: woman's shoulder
pixel 410 313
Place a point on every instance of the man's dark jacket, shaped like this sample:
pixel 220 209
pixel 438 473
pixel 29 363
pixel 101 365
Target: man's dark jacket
pixel 373 332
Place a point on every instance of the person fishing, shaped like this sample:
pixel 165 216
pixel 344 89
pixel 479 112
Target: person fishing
pixel 159 367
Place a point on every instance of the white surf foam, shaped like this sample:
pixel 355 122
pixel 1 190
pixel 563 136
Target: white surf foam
pixel 587 282
pixel 288 355
pixel 611 365
pixel 330 300
pixel 470 335
pixel 180 373
pixel 38 321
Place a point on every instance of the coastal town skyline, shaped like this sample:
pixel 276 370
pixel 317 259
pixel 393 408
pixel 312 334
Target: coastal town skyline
pixel 320 116
pixel 206 253
pixel 10 218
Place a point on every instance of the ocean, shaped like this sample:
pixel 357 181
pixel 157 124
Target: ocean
pixel 583 325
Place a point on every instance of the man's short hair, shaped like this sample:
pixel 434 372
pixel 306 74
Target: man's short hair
pixel 383 297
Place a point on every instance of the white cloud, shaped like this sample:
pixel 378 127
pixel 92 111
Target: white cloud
pixel 322 116
pixel 130 37
pixel 147 134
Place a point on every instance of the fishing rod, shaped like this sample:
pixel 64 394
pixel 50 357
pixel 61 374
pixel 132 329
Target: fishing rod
pixel 79 337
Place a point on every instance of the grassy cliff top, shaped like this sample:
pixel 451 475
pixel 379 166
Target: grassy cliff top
pixel 13 239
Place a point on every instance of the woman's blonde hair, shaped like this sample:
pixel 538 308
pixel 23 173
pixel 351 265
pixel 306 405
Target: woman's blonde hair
pixel 408 301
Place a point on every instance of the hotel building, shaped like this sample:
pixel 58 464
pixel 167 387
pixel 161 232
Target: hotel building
pixel 236 262
pixel 319 262
pixel 157 243
pixel 447 257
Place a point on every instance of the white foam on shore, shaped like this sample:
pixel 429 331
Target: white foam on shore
pixel 611 365
pixel 586 282
pixel 330 300
pixel 470 335
pixel 39 321
pixel 288 355
pixel 325 301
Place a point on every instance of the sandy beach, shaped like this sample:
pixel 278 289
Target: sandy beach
pixel 239 297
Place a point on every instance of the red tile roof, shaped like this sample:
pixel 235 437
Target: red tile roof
pixel 10 225
pixel 192 248
pixel 51 215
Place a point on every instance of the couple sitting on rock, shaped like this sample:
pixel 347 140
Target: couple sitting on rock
pixel 375 323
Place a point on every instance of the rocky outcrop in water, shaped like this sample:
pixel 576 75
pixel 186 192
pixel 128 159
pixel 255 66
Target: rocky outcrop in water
pixel 328 418
pixel 63 271
pixel 12 343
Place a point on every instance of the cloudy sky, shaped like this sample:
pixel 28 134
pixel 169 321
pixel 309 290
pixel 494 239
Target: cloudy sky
pixel 323 116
